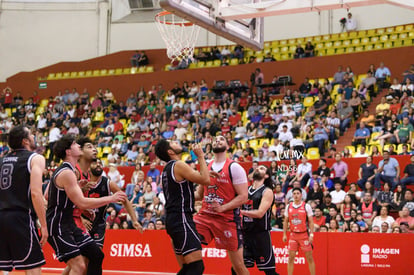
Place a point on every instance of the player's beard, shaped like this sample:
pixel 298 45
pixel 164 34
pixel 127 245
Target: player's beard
pixel 177 151
pixel 219 149
pixel 257 176
pixel 97 171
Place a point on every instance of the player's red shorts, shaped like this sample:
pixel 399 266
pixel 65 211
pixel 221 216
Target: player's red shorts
pixel 227 234
pixel 301 240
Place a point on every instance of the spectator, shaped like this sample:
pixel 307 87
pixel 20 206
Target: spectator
pixel 386 133
pixel 154 173
pixel 405 218
pixel 408 177
pixel 305 87
pixel 403 133
pixel 351 23
pixel 115 176
pixel 362 153
pixel 338 195
pixel 366 172
pixel 345 113
pixel 299 52
pixel 340 169
pixel 368 208
pixel 381 75
pixel 338 76
pixel 384 198
pixel 408 201
pixel 309 49
pixel 361 135
pixel 318 219
pixel 388 171
pixel 320 136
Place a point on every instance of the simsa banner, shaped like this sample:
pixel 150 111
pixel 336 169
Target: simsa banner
pixel 129 252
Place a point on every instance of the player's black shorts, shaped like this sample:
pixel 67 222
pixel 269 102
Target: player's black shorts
pixel 258 249
pixel 68 244
pixel 19 242
pixel 98 235
pixel 183 233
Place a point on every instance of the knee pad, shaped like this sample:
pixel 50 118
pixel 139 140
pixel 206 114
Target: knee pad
pixel 195 268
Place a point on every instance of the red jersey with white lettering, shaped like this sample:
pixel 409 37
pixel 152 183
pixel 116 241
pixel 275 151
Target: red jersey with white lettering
pixel 298 218
pixel 220 190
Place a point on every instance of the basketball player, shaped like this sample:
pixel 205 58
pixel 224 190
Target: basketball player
pixel 219 216
pixel 299 214
pixel 103 187
pixel 256 222
pixel 21 200
pixel 177 182
pixel 68 241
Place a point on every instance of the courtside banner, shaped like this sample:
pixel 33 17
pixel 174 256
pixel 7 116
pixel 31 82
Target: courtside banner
pixel 334 253
pixel 370 253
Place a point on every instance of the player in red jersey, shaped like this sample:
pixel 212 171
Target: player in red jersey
pixel 219 216
pixel 299 214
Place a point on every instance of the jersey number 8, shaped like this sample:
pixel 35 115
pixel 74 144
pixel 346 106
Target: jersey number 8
pixel 6 176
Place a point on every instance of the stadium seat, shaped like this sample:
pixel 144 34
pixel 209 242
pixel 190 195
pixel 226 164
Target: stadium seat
pixel 73 74
pixel 313 153
pixel 103 72
pixel 399 29
pixel 387 147
pixel 118 71
pixel 59 75
pixel 351 149
pixel 66 75
pixel 126 71
pixel 234 62
pixel 96 72
pixel 111 71
pixel 88 73
pixel 51 76
pixel 81 74
pixel 308 101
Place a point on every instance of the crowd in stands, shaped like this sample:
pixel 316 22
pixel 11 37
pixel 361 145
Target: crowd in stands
pixel 258 128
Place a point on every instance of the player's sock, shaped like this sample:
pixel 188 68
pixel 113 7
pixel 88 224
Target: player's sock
pixel 195 268
pixel 182 270
pixel 95 257
pixel 233 272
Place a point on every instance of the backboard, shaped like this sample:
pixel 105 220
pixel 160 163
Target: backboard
pixel 206 13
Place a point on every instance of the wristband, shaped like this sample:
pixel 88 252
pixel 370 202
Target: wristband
pixel 311 234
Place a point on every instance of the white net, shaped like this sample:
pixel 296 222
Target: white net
pixel 178 34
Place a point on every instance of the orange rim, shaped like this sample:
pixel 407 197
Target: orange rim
pixel 159 15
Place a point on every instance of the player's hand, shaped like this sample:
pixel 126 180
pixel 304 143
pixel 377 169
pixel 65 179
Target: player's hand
pixel 284 239
pixel 86 185
pixel 87 224
pixel 198 151
pixel 217 207
pixel 310 239
pixel 214 174
pixel 119 197
pixel 44 235
pixel 90 214
pixel 138 226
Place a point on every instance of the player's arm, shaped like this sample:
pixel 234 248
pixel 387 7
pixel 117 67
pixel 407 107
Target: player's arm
pixel 285 226
pixel 310 222
pixel 184 171
pixel 36 182
pixel 265 204
pixel 199 193
pixel 128 206
pixel 67 180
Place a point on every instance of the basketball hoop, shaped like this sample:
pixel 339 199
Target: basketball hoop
pixel 178 34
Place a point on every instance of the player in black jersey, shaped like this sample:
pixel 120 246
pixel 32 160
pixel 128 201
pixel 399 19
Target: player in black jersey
pixel 256 222
pixel 21 200
pixel 177 182
pixel 68 241
pixel 103 187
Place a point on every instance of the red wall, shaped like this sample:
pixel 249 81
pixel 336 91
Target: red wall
pixel 353 166
pixel 397 60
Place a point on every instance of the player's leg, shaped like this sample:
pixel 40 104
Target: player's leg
pixel 263 253
pixel 311 262
pixel 77 265
pixel 291 261
pixel 193 263
pixel 95 256
pixel 34 271
pixel 237 262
